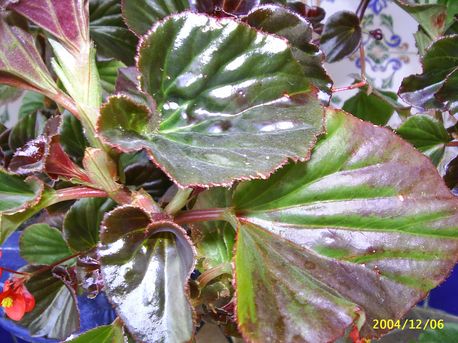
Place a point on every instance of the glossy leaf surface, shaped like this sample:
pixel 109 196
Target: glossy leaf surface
pixel 65 19
pixel 237 108
pixel 298 31
pixel 55 314
pixel 101 334
pixel 341 35
pixel 214 240
pixel 111 36
pixel 82 222
pixel 17 194
pixel 145 267
pixel 43 244
pixel 141 15
pixel 135 169
pixel 20 62
pixel 434 87
pixel 426 134
pixel 335 240
pixel 370 107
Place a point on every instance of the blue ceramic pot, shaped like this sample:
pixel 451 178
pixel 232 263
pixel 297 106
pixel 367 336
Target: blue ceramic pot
pixel 93 312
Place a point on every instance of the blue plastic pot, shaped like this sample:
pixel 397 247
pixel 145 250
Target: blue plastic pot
pixel 93 312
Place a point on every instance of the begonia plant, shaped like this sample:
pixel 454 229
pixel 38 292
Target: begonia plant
pixel 181 157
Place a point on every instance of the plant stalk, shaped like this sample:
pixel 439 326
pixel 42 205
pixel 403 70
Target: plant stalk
pixel 179 201
pixel 196 216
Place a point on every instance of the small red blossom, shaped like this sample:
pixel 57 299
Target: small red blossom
pixel 355 338
pixel 15 299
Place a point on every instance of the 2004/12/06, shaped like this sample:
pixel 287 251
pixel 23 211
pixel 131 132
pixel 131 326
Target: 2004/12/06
pixel 408 324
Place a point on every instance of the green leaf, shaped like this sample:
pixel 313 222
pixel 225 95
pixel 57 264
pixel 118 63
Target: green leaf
pixel 434 88
pixel 82 222
pixel 20 62
pixel 31 102
pixel 17 194
pixel 108 72
pixel 10 222
pixel 141 15
pixel 72 137
pixel 427 135
pixel 55 314
pixel 101 334
pixel 65 19
pixel 335 240
pixel 112 38
pixel 298 31
pixel 235 106
pixel 431 17
pixel 9 94
pixel 370 107
pixel 214 240
pixel 145 266
pixel 43 244
pixel 29 127
pixel 341 35
pixel 448 334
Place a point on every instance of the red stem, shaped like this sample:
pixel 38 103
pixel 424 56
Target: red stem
pixel 196 216
pixel 347 88
pixel 14 271
pixel 51 266
pixel 73 193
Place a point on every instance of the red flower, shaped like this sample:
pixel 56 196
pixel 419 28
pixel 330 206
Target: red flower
pixel 15 299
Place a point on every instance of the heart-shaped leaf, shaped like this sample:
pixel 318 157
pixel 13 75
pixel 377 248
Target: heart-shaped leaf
pixel 140 15
pixel 107 28
pixel 431 17
pixel 65 19
pixel 298 31
pixel 20 62
pixel 234 106
pixel 17 194
pixel 43 244
pixel 334 242
pixel 426 134
pixel 55 314
pixel 434 88
pixel 82 222
pixel 370 107
pixel 145 267
pixel 341 35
